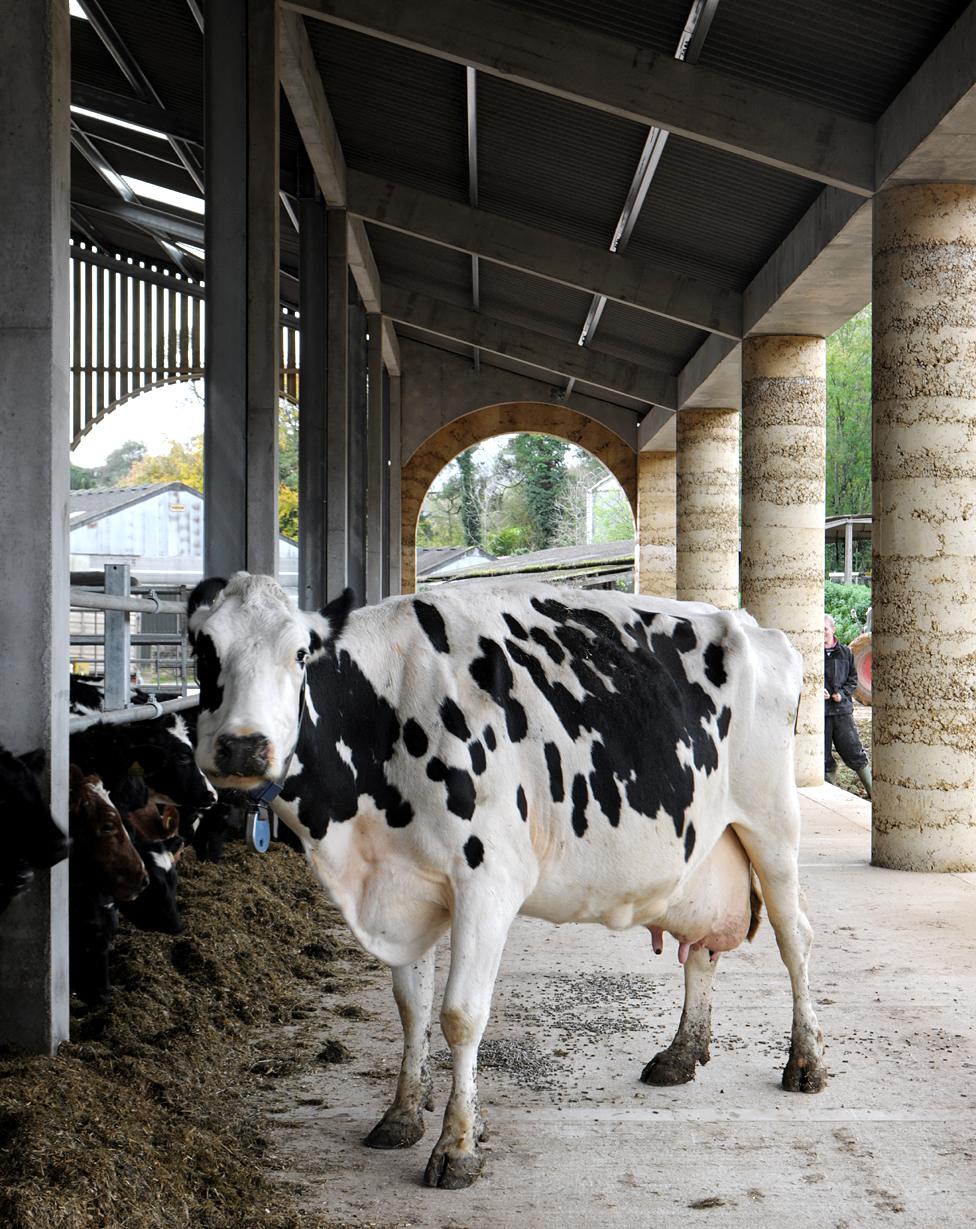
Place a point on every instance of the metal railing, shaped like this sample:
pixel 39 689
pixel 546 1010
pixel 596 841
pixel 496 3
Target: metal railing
pixel 117 603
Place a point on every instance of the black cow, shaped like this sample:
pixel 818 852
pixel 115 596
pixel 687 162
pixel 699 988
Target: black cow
pixel 33 838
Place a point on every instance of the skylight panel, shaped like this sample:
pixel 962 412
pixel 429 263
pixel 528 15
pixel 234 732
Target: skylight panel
pixel 75 9
pixel 165 196
pixel 119 123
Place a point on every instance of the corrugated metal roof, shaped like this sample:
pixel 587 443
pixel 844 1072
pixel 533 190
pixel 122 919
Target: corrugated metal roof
pixel 168 48
pixel 717 217
pixel 513 295
pixel 553 163
pixel 657 25
pixel 91 63
pixel 426 267
pixel 646 339
pixel 399 114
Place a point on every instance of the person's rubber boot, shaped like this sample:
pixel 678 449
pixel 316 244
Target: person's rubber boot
pixel 831 777
pixel 865 777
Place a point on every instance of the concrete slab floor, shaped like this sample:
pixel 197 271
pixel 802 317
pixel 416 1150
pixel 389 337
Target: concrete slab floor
pixel 577 1141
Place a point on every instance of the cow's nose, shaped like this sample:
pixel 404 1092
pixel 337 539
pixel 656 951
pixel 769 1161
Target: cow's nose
pixel 242 755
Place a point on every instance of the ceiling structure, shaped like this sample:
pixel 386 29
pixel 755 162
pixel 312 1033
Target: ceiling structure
pixel 605 196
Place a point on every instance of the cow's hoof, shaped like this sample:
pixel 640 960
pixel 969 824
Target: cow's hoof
pixel 668 1068
pixel 453 1171
pixel 804 1075
pixel 396 1129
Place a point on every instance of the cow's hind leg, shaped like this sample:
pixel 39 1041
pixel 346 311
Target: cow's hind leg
pixel 774 856
pixel 478 933
pixel 403 1123
pixel 676 1064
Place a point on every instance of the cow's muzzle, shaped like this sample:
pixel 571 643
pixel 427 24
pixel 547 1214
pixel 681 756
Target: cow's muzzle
pixel 241 755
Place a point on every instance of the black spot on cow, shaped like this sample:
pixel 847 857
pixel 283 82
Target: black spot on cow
pixel 454 721
pixel 474 851
pixel 554 764
pixel 515 627
pixel 684 636
pixel 724 721
pixel 522 803
pixel 315 642
pixel 638 702
pixel 414 738
pixel 431 620
pixel 488 734
pixel 460 787
pixel 715 665
pixel 580 799
pixel 606 794
pixel 689 841
pixel 352 713
pixel 545 641
pixel 647 617
pixel 493 674
pixel 208 673
pixel 479 761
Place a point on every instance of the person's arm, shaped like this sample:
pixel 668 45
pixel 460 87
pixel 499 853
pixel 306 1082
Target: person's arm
pixel 850 683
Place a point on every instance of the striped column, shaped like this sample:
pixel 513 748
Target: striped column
pixel 707 566
pixel 656 523
pixel 924 638
pixel 784 402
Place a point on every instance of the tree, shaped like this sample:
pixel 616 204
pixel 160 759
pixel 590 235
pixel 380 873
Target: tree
pixel 183 463
pixel 470 511
pixel 539 464
pixel 849 417
pixel 83 479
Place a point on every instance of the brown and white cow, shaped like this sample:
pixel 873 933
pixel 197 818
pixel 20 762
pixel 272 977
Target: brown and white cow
pixel 453 760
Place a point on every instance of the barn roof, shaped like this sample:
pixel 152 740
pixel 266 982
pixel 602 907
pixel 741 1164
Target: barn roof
pixel 93 504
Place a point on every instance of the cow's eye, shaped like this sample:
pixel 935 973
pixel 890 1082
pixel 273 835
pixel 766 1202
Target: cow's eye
pixel 301 656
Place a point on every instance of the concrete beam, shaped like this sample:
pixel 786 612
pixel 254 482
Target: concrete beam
pixel 362 265
pixel 929 130
pixel 302 84
pixel 358 464
pixel 656 431
pixel 610 74
pixel 391 348
pixel 395 533
pixel 624 279
pixel 559 355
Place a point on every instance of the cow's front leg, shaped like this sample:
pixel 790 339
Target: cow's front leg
pixel 478 934
pixel 403 1123
pixel 676 1064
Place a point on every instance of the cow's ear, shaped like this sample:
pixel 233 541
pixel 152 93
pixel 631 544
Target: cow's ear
pixel 34 761
pixel 328 625
pixel 201 600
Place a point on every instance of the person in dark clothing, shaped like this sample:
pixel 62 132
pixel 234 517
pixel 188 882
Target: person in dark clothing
pixel 840 683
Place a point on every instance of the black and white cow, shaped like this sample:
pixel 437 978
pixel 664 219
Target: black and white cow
pixel 32 838
pixel 459 758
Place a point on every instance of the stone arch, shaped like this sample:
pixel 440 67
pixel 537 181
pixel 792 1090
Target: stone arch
pixel 506 418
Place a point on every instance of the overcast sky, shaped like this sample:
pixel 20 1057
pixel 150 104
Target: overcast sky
pixel 154 419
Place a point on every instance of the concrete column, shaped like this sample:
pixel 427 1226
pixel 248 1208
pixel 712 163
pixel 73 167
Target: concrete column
pixel 707 464
pixel 242 368
pixel 34 416
pixel 337 405
pixel 385 509
pixel 375 460
pixel 656 523
pixel 313 283
pixel 357 443
pixel 924 637
pixel 396 471
pixel 784 406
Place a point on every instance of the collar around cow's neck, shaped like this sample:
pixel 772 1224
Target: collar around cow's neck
pixel 270 790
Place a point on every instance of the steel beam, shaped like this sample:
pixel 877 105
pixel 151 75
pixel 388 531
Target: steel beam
pixel 625 279
pixel 559 355
pixel 610 74
pixel 375 460
pixel 385 485
pixel 34 410
pixel 243 337
pixel 358 415
pixel 312 405
pixel 157 221
pixel 394 511
pixel 146 115
pixel 337 404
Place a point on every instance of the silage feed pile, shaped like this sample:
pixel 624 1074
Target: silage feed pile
pixel 142 1121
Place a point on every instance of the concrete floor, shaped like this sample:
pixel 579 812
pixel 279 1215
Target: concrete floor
pixel 577 1141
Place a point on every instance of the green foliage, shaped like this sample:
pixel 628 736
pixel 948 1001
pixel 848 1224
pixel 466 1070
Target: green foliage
pixel 849 417
pixel 507 541
pixel 541 462
pixel 82 479
pixel 839 600
pixel 612 517
pixel 119 463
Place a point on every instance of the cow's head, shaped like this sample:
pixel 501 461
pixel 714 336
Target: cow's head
pixel 103 851
pixel 252 647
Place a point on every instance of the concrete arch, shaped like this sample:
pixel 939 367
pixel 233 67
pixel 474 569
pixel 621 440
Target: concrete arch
pixel 506 418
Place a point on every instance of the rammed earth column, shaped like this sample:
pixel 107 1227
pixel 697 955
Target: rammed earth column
pixel 708 507
pixel 924 639
pixel 655 523
pixel 783 445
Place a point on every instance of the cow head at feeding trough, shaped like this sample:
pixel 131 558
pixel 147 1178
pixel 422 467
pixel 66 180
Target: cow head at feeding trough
pixel 252 648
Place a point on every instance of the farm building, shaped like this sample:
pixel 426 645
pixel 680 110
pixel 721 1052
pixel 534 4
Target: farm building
pixel 631 226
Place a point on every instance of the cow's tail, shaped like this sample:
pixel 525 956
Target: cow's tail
pixel 755 904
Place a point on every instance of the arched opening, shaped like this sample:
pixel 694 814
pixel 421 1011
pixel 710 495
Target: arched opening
pixel 537 418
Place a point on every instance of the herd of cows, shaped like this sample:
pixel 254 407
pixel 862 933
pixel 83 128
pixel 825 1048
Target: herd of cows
pixel 448 762
pixel 135 798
